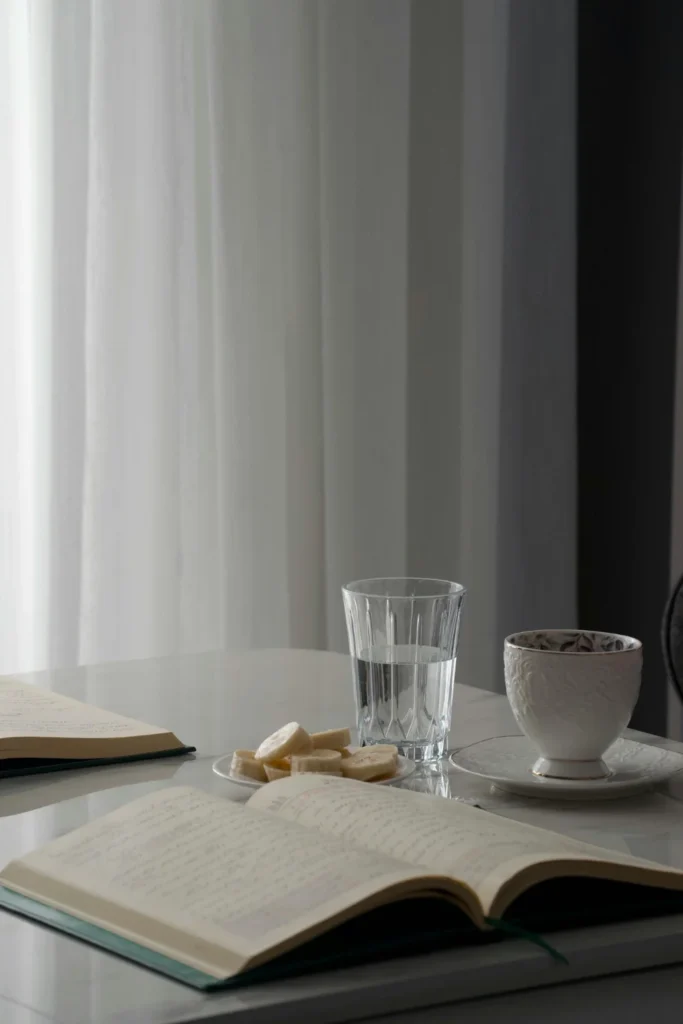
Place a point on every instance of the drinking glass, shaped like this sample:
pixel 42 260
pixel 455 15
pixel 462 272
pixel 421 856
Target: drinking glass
pixel 403 638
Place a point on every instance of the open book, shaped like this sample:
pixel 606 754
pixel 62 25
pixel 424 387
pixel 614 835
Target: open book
pixel 313 870
pixel 43 731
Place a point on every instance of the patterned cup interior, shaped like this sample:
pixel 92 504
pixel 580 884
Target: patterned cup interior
pixel 573 641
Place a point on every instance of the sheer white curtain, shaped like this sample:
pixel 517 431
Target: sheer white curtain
pixel 216 337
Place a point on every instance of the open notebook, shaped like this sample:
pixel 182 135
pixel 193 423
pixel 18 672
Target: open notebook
pixel 315 871
pixel 43 731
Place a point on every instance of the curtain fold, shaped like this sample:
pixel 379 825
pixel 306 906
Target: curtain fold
pixel 240 367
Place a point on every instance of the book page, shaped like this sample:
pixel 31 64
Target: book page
pixel 193 871
pixel 33 712
pixel 472 846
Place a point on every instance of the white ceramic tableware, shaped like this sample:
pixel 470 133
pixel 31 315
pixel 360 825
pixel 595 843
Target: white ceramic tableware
pixel 506 762
pixel 572 693
pixel 222 767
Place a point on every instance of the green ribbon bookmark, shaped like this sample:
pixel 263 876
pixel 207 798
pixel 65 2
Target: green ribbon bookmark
pixel 522 933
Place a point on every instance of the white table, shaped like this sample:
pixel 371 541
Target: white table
pixel 219 701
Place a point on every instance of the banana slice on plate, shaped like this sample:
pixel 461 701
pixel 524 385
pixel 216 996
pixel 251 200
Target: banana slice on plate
pixel 319 761
pixel 331 739
pixel 277 770
pixel 290 739
pixel 384 748
pixel 244 763
pixel 368 763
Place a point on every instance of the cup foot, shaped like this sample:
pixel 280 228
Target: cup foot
pixel 554 768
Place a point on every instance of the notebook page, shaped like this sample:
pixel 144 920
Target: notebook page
pixel 209 869
pixel 441 836
pixel 33 712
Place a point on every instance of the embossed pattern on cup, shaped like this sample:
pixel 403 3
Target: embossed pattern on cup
pixel 572 693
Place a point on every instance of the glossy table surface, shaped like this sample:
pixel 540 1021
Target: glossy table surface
pixel 219 701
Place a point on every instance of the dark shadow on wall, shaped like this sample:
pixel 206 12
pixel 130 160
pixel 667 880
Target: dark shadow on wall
pixel 630 122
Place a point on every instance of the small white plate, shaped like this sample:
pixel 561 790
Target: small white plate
pixel 404 768
pixel 506 762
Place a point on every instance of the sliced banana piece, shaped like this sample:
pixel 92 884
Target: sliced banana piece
pixel 325 761
pixel 244 763
pixel 331 739
pixel 368 763
pixel 273 771
pixel 383 748
pixel 285 763
pixel 290 739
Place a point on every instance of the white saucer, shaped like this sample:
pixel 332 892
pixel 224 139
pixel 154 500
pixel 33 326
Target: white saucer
pixel 506 762
pixel 404 768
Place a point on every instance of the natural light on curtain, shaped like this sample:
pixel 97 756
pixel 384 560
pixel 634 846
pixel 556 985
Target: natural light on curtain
pixel 25 268
pixel 170 441
pixel 213 302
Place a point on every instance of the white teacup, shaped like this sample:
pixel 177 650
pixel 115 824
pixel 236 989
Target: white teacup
pixel 572 693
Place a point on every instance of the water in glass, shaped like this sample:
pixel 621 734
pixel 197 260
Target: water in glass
pixel 403 638
pixel 405 694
